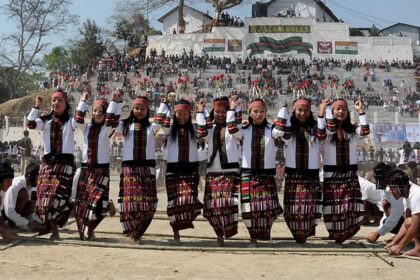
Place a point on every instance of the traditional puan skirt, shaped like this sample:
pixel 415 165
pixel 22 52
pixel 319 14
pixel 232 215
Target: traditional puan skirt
pixel 259 204
pixel 342 205
pixel 54 191
pixel 183 204
pixel 92 198
pixel 302 204
pixel 137 199
pixel 221 202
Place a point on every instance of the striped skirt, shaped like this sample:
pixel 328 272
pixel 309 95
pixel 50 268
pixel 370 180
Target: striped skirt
pixel 137 199
pixel 183 204
pixel 342 205
pixel 92 199
pixel 259 204
pixel 221 202
pixel 302 205
pixel 53 194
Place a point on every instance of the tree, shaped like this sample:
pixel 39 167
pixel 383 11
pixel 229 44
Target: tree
pixel 133 29
pixel 374 31
pixel 221 5
pixel 356 32
pixel 28 82
pixel 90 47
pixel 181 21
pixel 35 20
pixel 58 59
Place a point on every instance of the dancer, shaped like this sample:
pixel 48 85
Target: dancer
pixel 342 199
pixel 302 192
pixel 223 178
pixel 92 196
pixel 259 199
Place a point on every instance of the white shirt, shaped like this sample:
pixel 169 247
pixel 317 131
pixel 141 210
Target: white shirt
pixel 377 197
pixel 10 199
pixel 413 200
pixel 103 152
pixel 68 131
pixel 397 211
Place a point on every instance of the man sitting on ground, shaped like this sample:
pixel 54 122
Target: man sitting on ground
pixel 393 217
pixel 401 187
pixel 6 177
pixel 18 206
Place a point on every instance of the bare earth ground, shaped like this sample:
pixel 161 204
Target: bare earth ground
pixel 111 257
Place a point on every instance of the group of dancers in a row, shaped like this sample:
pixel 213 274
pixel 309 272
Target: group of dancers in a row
pixel 241 166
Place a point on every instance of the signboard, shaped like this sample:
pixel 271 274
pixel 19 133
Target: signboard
pixel 234 45
pixel 279 29
pixel 324 47
pixel 290 44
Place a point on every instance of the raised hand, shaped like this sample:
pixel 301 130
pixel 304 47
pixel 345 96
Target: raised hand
pixel 39 100
pixel 85 96
pixel 323 106
pixel 200 105
pixel 234 102
pixel 358 106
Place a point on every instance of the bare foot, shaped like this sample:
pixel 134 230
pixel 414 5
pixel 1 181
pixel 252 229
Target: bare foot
pixel 253 243
pixel 177 238
pixel 55 236
pixel 220 241
pixel 112 209
pixel 91 237
pixel 7 234
pixel 415 252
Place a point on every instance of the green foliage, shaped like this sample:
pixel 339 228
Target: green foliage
pixel 356 32
pixel 27 83
pixel 58 59
pixel 133 28
pixel 90 47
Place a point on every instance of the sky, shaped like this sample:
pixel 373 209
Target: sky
pixel 358 13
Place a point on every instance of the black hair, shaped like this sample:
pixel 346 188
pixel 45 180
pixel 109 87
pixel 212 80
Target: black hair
pixel 176 126
pixel 310 126
pixel 399 178
pixel 131 118
pixel 251 121
pixel 65 116
pixel 6 171
pixel 223 98
pixel 31 172
pixel 347 126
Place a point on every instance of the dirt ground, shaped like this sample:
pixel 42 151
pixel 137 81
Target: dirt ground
pixel 112 257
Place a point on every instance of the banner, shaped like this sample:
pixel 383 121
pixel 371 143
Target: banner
pixel 280 46
pixel 234 45
pixel 279 29
pixel 344 47
pixel 324 47
pixel 389 133
pixel 412 130
pixel 214 45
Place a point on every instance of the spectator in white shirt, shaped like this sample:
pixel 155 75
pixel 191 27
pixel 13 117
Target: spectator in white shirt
pixel 401 187
pixel 19 208
pixel 392 208
pixel 6 177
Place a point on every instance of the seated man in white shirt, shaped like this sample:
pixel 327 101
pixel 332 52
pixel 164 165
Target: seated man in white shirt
pixel 6 177
pixel 18 206
pixel 392 208
pixel 401 187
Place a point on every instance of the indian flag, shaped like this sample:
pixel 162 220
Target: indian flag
pixel 344 47
pixel 214 45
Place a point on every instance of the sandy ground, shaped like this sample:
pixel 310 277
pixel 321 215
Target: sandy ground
pixel 111 257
